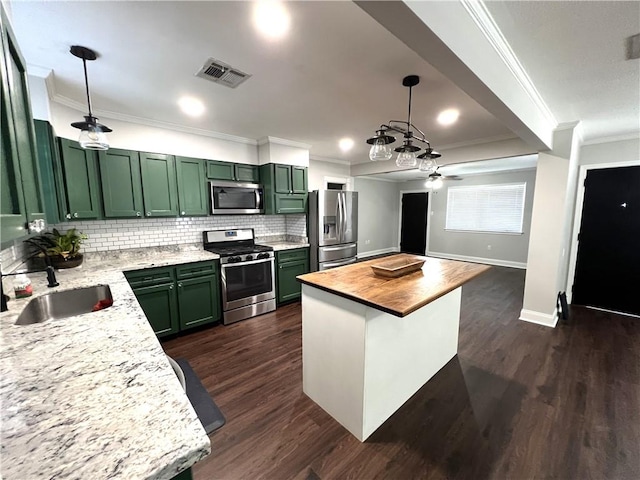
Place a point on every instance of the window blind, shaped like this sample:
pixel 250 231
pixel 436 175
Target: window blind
pixel 486 208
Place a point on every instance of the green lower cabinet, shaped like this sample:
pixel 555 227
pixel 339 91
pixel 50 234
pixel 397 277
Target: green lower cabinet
pixel 178 298
pixel 184 475
pixel 198 302
pixel 291 263
pixel 160 306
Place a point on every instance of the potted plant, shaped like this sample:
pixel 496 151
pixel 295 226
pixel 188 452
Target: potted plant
pixel 63 249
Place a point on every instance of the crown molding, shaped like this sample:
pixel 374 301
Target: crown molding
pixel 613 138
pixel 81 107
pixel 317 158
pixel 478 12
pixel 283 141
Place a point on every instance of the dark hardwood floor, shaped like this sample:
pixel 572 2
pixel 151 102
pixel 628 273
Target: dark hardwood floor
pixel 519 400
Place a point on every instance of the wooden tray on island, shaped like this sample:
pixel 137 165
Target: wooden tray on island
pixel 397 267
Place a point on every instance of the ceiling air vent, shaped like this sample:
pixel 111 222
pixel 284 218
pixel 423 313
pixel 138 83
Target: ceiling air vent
pixel 220 72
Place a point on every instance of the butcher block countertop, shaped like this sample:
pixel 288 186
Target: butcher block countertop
pixel 397 296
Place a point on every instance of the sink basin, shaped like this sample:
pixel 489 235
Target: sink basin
pixel 66 303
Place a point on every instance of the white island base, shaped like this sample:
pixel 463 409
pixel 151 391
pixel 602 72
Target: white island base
pixel 361 364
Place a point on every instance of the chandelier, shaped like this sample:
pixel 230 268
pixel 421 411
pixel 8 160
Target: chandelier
pixel 92 134
pixel 407 153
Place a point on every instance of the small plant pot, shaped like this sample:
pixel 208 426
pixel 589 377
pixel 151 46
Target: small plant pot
pixel 60 262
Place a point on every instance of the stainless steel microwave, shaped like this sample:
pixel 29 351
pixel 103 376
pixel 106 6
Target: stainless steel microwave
pixel 232 198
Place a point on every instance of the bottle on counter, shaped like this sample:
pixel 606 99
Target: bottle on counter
pixel 22 285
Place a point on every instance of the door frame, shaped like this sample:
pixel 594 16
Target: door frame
pixel 577 218
pixel 428 192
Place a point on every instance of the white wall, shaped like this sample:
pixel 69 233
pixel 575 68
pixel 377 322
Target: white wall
pixel 618 151
pixel 319 170
pixel 378 210
pixel 507 250
pixel 145 138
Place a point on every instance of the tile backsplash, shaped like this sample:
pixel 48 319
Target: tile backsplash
pixel 106 235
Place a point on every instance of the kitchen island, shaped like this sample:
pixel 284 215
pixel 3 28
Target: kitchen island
pixel 94 396
pixel 370 342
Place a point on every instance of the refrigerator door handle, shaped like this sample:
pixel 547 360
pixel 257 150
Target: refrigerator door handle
pixel 339 218
pixel 341 247
pixel 344 216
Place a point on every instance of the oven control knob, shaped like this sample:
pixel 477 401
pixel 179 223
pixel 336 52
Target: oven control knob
pixel 263 255
pixel 249 257
pixel 234 259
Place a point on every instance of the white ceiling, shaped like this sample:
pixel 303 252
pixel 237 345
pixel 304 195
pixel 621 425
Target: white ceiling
pixel 338 73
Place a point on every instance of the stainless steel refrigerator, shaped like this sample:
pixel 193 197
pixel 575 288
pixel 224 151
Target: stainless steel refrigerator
pixel 333 228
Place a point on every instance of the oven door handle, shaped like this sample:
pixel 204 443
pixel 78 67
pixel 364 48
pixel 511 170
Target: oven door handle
pixel 250 262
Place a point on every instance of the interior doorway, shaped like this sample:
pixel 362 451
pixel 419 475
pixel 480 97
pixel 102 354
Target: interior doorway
pixel 607 272
pixel 413 222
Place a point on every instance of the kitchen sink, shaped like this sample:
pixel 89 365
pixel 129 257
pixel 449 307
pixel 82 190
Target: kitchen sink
pixel 66 303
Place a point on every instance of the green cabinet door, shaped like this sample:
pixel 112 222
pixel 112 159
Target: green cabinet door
pixel 80 178
pixel 159 189
pixel 220 170
pixel 48 161
pixel 192 186
pixel 299 179
pixel 282 178
pixel 121 183
pixel 20 193
pixel 247 173
pixel 291 263
pixel 160 307
pixel 198 302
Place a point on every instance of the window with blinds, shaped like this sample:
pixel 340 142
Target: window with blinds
pixel 486 208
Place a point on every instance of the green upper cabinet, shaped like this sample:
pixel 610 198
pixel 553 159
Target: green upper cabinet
pixel 21 195
pixel 299 180
pixel 121 183
pixel 234 172
pixel 159 188
pixel 285 188
pixel 48 161
pixel 192 186
pixel 80 180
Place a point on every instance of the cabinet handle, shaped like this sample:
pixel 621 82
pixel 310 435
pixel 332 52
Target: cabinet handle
pixel 68 216
pixel 148 214
pixel 75 215
pixel 180 285
pixel 182 213
pixel 170 287
pixel 137 214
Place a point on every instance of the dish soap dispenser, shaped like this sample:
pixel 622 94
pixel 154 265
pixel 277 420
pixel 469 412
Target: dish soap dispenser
pixel 22 285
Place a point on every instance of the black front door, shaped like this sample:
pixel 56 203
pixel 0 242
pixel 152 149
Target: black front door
pixel 608 260
pixel 413 233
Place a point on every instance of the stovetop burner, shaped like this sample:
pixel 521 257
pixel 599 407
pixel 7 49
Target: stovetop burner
pixel 235 245
pixel 241 250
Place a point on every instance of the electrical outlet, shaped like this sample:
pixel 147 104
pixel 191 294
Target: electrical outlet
pixel 367 242
pixel 488 247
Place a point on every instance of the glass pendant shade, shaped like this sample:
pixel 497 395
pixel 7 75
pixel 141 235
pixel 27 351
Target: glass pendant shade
pixel 380 150
pixel 437 183
pixel 427 164
pixel 93 138
pixel 428 183
pixel 406 159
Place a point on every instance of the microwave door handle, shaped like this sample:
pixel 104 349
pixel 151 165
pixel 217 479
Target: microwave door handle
pixel 257 194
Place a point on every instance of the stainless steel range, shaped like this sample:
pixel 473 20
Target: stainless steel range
pixel 248 273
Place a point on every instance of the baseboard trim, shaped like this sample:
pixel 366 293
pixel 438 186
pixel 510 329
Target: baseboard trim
pixel 373 253
pixel 539 318
pixel 488 261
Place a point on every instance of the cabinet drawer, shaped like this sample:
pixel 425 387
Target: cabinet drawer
pixel 190 270
pixel 149 276
pixel 291 255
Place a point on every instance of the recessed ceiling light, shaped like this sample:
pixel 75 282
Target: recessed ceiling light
pixel 271 19
pixel 191 106
pixel 448 117
pixel 346 144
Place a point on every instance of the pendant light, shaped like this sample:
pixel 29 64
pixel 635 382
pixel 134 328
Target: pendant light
pixel 407 158
pixel 92 135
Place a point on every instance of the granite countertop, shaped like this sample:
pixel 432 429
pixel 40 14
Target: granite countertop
pixel 397 296
pixel 283 245
pixel 93 396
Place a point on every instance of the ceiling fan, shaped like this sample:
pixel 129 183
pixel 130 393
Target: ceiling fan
pixel 435 179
